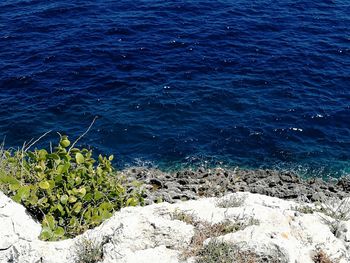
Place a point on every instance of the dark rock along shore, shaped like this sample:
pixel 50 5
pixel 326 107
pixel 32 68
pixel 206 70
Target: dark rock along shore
pixel 193 184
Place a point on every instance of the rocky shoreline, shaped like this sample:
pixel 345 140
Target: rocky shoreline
pixel 192 184
pixel 252 220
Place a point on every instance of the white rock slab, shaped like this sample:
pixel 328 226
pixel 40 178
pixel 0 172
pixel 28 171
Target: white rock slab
pixel 149 234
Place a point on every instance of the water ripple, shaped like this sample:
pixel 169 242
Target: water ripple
pixel 250 83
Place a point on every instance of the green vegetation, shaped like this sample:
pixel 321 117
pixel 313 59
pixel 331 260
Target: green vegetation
pixel 65 188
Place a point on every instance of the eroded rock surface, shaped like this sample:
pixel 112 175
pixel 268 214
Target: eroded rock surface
pixel 193 184
pixel 283 231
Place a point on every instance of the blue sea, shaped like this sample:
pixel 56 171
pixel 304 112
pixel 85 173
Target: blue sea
pixel 248 83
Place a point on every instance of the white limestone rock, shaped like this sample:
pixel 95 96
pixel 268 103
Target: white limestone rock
pixel 150 234
pixel 17 229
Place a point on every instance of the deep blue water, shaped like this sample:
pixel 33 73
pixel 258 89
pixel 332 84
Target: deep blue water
pixel 251 83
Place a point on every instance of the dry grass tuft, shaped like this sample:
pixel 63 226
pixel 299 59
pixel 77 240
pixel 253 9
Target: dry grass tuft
pixel 205 230
pixel 305 209
pixel 332 212
pixel 233 201
pixel 223 252
pixel 88 251
pixel 321 257
pixel 184 217
pixel 336 213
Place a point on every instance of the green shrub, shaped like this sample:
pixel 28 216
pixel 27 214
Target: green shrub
pixel 66 189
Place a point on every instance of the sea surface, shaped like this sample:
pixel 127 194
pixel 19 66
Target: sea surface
pixel 249 83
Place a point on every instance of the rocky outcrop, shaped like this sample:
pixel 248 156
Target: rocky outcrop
pixel 192 184
pixel 282 231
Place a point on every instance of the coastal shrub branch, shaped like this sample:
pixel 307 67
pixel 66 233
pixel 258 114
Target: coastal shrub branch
pixel 68 191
